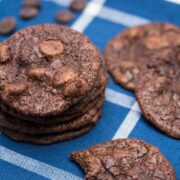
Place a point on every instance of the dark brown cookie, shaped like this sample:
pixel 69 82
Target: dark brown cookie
pixel 28 12
pixel 48 73
pixel 64 16
pixel 126 53
pixel 44 139
pixel 90 118
pixel 77 5
pixel 124 159
pixel 32 3
pixel 7 25
pixel 158 91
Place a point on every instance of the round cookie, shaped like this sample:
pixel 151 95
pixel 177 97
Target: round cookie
pixel 124 159
pixel 90 118
pixel 44 140
pixel 47 69
pixel 158 91
pixel 126 53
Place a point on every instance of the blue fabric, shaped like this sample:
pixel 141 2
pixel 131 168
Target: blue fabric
pixel 100 31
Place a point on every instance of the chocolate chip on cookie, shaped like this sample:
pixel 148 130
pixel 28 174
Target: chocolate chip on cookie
pixel 4 53
pixel 51 47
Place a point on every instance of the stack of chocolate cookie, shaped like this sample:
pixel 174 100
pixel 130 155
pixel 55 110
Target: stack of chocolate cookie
pixel 145 59
pixel 52 82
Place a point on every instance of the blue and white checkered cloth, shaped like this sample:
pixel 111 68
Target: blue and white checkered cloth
pixel 122 118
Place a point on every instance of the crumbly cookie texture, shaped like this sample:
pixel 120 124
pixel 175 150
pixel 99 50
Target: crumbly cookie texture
pixel 158 91
pixel 124 159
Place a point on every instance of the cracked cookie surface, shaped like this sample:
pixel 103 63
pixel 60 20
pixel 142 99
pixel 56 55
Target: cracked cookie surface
pixel 124 159
pixel 158 91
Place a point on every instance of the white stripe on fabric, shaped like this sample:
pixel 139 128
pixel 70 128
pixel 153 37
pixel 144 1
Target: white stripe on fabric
pixel 121 17
pixel 89 13
pixel 35 166
pixel 121 99
pixel 174 1
pixel 128 124
pixel 116 16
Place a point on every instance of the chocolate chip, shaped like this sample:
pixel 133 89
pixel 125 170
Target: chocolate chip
pixel 4 53
pixel 77 5
pixel 15 89
pixel 28 12
pixel 65 76
pixel 32 3
pixel 156 42
pixel 37 73
pixel 51 47
pixel 64 16
pixel 71 90
pixel 7 25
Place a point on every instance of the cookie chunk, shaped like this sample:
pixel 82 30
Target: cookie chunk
pixel 158 91
pixel 128 51
pixel 124 159
pixel 50 68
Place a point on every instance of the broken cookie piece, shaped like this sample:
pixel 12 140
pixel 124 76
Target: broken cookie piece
pixel 124 159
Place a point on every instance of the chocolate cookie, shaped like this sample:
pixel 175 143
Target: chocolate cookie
pixel 124 159
pixel 7 25
pixel 126 53
pixel 44 139
pixel 158 91
pixel 90 118
pixel 48 68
